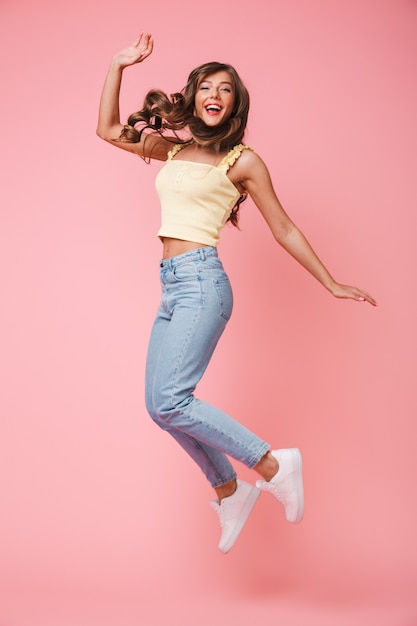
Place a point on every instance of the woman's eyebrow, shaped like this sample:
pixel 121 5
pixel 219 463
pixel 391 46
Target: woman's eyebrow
pixel 222 82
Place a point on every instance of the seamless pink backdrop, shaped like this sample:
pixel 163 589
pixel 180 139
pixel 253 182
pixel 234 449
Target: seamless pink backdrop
pixel 104 520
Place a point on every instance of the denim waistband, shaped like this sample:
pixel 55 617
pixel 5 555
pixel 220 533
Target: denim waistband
pixel 200 254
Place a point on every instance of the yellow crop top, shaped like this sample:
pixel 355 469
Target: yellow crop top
pixel 196 198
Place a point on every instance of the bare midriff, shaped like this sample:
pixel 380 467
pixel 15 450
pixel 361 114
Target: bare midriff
pixel 174 247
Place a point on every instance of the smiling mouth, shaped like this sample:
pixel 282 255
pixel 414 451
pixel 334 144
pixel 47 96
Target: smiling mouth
pixel 213 108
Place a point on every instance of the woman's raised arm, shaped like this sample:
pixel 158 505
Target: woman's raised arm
pixel 109 126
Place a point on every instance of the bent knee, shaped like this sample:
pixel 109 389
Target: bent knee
pixel 159 410
pixel 164 411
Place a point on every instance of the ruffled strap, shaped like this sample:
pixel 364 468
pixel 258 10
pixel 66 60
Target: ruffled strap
pixel 175 150
pixel 232 156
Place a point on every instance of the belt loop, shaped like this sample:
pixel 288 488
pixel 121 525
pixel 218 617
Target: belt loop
pixel 202 254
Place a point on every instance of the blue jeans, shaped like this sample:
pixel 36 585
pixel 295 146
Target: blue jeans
pixel 196 304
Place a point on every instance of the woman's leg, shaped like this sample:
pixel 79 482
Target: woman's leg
pixel 213 463
pixel 196 305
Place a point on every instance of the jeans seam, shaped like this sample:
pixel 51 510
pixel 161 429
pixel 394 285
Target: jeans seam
pixel 221 480
pixel 181 356
pixel 255 460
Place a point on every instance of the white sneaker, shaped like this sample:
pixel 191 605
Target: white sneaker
pixel 287 484
pixel 233 512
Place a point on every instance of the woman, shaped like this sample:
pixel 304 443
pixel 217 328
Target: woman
pixel 201 186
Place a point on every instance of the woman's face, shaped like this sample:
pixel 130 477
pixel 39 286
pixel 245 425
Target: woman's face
pixel 215 98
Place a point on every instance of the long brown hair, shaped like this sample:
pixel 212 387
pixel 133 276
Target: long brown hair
pixel 161 112
pixel 167 115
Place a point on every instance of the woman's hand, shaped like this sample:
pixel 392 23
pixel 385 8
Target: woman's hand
pixel 137 52
pixel 345 291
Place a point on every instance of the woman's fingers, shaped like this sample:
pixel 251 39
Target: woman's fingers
pixel 143 44
pixel 364 296
pixel 345 291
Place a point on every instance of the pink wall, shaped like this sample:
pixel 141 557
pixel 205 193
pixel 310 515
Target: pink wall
pixel 105 521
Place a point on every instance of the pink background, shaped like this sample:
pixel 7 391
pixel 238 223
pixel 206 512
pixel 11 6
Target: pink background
pixel 105 521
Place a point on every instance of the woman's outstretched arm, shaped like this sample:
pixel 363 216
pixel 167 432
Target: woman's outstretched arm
pixel 256 179
pixel 109 126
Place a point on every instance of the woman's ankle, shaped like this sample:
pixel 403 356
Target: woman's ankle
pixel 226 490
pixel 267 466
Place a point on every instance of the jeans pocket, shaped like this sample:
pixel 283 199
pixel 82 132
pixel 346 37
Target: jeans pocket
pixel 184 272
pixel 225 295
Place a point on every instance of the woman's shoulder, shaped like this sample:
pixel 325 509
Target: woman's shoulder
pixel 174 150
pixel 243 156
pixel 234 155
pixel 248 166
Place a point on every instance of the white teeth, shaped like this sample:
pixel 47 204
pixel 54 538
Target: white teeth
pixel 213 107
